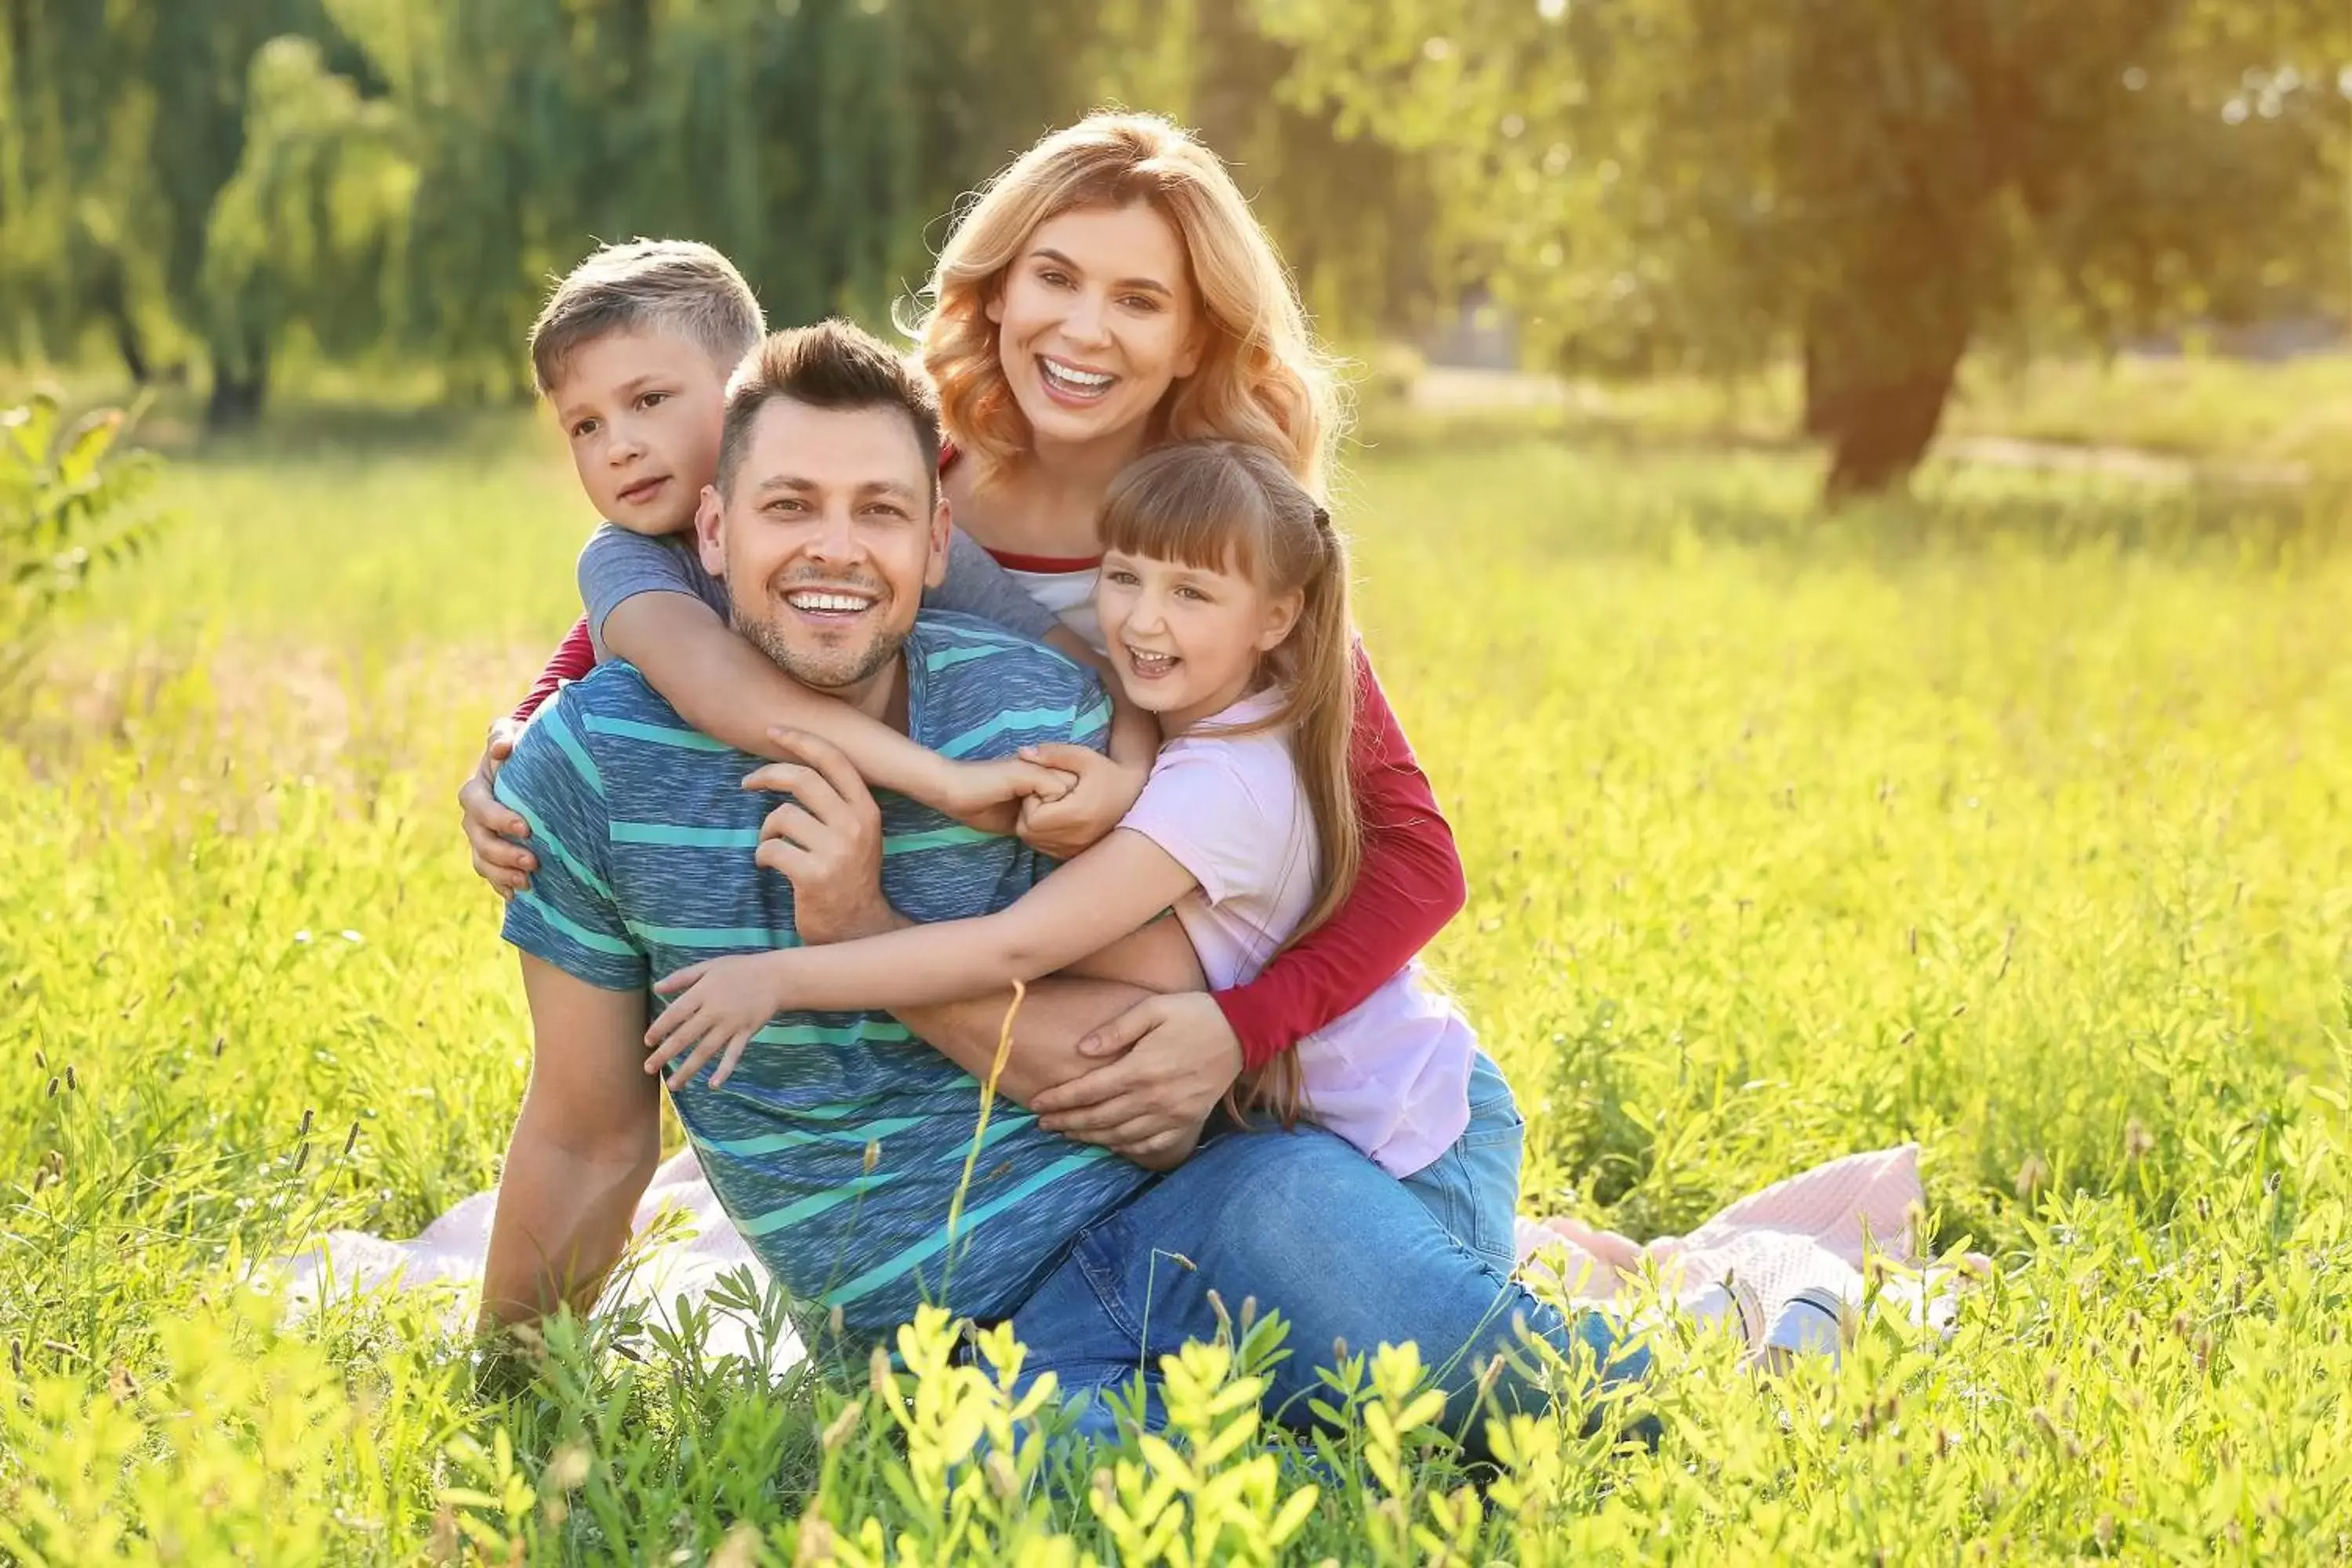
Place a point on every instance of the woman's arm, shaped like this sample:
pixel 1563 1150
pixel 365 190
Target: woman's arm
pixel 574 656
pixel 1113 890
pixel 1411 884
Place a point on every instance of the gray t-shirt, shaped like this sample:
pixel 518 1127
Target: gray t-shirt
pixel 616 564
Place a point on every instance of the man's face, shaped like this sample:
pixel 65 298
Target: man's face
pixel 641 412
pixel 830 530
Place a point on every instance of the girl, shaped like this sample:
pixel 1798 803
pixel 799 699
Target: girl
pixel 1108 291
pixel 1223 607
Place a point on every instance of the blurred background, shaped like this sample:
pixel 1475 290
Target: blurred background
pixel 1852 222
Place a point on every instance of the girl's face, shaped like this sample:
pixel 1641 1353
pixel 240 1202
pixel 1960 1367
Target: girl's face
pixel 1096 319
pixel 1186 642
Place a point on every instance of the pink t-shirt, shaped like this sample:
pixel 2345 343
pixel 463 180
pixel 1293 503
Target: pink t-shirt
pixel 1392 1076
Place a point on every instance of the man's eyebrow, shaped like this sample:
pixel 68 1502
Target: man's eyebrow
pixel 784 482
pixel 1151 285
pixel 888 487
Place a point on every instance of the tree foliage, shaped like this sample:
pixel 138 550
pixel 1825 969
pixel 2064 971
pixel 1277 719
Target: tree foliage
pixel 1709 184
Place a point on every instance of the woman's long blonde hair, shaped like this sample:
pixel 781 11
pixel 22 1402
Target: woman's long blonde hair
pixel 1260 379
pixel 1227 506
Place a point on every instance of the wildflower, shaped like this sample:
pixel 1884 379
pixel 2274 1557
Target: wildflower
pixel 2138 1141
pixel 2032 1175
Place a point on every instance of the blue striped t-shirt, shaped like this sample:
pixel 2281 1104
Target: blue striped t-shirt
pixel 838 1145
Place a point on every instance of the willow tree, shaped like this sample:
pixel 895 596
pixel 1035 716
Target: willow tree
pixel 1877 185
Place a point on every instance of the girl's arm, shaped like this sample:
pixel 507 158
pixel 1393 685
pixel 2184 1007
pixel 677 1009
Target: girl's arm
pixel 1411 884
pixel 1112 890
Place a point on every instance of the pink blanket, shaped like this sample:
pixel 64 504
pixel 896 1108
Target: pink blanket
pixel 1820 1230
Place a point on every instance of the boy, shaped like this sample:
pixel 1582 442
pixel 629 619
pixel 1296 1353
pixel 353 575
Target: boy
pixel 632 351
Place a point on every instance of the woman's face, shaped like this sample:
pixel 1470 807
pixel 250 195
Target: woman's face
pixel 1096 320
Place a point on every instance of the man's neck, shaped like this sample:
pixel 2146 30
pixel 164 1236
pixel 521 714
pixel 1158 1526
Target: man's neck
pixel 882 695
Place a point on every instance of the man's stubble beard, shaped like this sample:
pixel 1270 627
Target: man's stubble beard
pixel 832 675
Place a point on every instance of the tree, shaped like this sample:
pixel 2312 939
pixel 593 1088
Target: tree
pixel 1879 185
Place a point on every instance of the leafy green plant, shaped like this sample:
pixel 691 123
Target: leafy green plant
pixel 72 502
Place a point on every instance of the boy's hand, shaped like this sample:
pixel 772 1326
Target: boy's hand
pixel 989 793
pixel 726 1002
pixel 495 832
pixel 1073 823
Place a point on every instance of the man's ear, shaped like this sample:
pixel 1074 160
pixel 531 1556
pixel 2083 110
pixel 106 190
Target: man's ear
pixel 710 542
pixel 1281 615
pixel 935 571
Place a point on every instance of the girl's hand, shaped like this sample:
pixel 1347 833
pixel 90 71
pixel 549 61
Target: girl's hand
pixel 726 1002
pixel 988 793
pixel 1077 821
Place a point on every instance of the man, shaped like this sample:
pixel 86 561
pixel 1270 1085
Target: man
pixel 840 1146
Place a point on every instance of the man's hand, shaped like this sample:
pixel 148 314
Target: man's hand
pixel 1067 826
pixel 826 840
pixel 1170 1061
pixel 493 832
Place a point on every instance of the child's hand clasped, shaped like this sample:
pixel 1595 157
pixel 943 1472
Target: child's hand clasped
pixel 1066 826
pixel 726 1002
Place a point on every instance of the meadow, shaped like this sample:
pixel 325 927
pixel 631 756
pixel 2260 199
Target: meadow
pixel 2008 819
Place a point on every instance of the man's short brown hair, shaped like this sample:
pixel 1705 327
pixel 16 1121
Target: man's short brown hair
pixel 832 364
pixel 677 286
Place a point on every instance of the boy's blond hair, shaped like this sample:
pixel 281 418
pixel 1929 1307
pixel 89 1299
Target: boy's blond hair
pixel 677 286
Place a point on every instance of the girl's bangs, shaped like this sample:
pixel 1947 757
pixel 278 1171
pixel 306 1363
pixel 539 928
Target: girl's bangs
pixel 1195 509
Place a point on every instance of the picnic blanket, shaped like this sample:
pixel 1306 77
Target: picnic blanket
pixel 1819 1231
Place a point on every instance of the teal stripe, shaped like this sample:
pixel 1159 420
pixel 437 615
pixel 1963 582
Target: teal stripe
pixel 1095 719
pixel 777 1143
pixel 595 941
pixel 569 744
pixel 1056 719
pixel 713 936
pixel 541 837
pixel 948 657
pixel 937 838
pixel 883 1273
pixel 874 1031
pixel 776 1219
pixel 686 837
pixel 659 734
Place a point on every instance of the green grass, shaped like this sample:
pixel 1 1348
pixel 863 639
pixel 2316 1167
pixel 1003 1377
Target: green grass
pixel 2233 416
pixel 2009 820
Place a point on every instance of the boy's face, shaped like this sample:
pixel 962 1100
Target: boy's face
pixel 827 536
pixel 642 412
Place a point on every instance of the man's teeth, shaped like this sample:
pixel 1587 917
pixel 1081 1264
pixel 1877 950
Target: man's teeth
pixel 849 603
pixel 1079 380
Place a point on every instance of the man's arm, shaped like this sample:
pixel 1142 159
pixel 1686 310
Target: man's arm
pixel 584 1149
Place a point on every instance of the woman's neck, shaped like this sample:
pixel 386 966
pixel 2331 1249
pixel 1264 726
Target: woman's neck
pixel 1052 503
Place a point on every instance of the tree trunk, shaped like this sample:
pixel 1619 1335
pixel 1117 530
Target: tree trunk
pixel 1877 424
pixel 132 347
pixel 238 394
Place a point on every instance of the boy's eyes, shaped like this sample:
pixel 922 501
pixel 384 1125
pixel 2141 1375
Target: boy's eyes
pixel 586 427
pixel 653 400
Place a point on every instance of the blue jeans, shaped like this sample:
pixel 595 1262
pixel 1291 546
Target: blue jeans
pixel 1306 1225
pixel 1473 1189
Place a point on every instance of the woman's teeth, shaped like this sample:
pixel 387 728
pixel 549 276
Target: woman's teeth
pixel 1077 383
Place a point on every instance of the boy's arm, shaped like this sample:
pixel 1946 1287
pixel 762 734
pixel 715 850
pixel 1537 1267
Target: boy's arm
pixel 729 690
